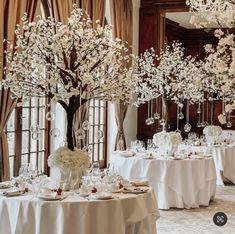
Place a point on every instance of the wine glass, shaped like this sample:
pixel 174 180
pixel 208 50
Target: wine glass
pixel 95 168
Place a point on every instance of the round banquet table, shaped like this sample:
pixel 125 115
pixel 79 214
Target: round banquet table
pixel 186 183
pixel 125 214
pixel 224 158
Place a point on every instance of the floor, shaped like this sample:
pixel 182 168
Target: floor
pixel 200 220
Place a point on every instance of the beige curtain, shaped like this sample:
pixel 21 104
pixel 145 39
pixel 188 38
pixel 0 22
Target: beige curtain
pixel 120 114
pixel 121 16
pixel 95 8
pixel 11 12
pixel 60 10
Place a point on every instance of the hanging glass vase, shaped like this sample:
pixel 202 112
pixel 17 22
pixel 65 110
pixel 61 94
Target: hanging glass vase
pixel 199 115
pixel 229 124
pixel 187 126
pixel 150 119
pixel 156 115
pixel 177 120
pixel 203 124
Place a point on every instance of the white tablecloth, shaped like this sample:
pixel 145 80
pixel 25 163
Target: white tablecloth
pixel 224 157
pixel 177 183
pixel 128 214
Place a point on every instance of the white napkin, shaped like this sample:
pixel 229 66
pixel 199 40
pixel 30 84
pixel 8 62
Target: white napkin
pixel 140 182
pixel 12 192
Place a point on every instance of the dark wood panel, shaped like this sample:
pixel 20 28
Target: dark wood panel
pixel 153 32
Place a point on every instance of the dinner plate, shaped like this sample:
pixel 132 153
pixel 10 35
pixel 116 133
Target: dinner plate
pixel 206 155
pixel 196 157
pixel 102 197
pixel 135 191
pixel 83 194
pixel 49 197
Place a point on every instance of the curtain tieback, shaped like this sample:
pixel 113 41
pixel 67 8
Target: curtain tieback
pixel 1 133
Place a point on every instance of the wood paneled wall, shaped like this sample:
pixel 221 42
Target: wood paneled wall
pixel 154 31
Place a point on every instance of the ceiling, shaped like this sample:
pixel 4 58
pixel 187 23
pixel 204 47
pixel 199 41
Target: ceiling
pixel 183 19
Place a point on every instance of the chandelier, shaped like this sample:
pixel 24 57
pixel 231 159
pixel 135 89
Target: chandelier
pixel 206 12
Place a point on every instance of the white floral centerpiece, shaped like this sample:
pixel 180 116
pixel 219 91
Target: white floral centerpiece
pixel 65 159
pixel 167 142
pixel 212 133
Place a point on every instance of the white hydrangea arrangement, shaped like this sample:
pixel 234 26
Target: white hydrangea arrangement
pixel 65 159
pixel 167 138
pixel 167 142
pixel 212 133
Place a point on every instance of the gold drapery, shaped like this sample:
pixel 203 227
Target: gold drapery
pixel 95 8
pixel 11 12
pixel 121 16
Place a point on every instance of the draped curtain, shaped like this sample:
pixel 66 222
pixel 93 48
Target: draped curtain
pixel 11 12
pixel 60 10
pixel 121 17
pixel 95 8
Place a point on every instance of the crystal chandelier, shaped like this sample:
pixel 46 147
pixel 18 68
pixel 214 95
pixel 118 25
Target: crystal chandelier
pixel 206 12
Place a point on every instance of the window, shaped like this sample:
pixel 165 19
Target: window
pixel 98 131
pixel 27 133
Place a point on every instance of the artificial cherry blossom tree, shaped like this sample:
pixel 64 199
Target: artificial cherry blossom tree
pixel 69 63
pixel 170 75
pixel 220 66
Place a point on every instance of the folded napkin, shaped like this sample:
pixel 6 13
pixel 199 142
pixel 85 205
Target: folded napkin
pixel 196 157
pixel 126 154
pixel 12 192
pixel 5 185
pixel 140 182
pixel 135 190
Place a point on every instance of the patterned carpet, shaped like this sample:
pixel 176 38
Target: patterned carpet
pixel 200 220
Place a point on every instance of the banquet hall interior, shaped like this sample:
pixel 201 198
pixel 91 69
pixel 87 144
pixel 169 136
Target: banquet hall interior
pixel 117 116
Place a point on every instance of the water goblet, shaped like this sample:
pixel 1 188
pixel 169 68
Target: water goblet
pixel 95 168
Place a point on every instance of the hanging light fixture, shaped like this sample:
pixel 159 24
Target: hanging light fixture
pixel 206 12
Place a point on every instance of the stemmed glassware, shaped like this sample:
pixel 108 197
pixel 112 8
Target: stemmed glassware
pixel 95 168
